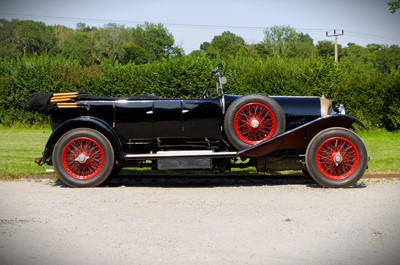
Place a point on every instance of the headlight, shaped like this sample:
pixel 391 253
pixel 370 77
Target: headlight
pixel 340 110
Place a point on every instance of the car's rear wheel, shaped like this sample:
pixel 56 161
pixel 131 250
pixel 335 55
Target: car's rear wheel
pixel 336 157
pixel 83 158
pixel 252 119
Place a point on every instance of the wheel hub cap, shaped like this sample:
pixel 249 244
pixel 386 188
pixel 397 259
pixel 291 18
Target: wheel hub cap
pixel 82 158
pixel 254 123
pixel 338 159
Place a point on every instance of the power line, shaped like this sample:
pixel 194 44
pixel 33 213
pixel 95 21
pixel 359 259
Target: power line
pixel 189 25
pixel 129 21
pixel 69 18
pixel 369 36
pixel 142 22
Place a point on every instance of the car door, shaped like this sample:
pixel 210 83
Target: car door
pixel 201 118
pixel 134 120
pixel 167 118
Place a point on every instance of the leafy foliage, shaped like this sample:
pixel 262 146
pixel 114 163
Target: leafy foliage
pixel 287 42
pixel 225 44
pixel 142 44
pixel 119 61
pixel 393 6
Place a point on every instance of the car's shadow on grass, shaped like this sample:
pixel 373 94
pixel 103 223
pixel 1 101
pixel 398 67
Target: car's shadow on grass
pixel 207 180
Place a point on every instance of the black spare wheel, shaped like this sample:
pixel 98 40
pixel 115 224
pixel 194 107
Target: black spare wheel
pixel 252 119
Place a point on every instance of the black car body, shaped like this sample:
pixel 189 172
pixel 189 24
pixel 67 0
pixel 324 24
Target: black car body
pixel 94 137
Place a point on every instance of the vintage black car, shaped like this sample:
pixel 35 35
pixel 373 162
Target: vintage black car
pixel 94 137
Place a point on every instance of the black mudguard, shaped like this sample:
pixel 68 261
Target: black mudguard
pixel 90 122
pixel 299 137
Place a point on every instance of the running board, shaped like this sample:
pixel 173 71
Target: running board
pixel 186 154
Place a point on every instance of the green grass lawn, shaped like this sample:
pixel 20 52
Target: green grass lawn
pixel 18 147
pixel 383 149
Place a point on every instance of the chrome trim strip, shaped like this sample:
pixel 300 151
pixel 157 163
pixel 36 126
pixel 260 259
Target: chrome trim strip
pixel 194 153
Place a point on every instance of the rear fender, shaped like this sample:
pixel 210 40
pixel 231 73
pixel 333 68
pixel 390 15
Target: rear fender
pixel 299 137
pixel 79 122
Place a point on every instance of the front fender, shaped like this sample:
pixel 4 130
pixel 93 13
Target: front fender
pixel 299 137
pixel 85 121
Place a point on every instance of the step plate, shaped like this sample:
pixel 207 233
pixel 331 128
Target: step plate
pixel 184 163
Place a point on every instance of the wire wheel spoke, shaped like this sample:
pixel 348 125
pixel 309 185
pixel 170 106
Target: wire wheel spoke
pixel 337 158
pixel 82 158
pixel 254 123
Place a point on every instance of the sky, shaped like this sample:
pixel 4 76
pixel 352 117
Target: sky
pixel 194 22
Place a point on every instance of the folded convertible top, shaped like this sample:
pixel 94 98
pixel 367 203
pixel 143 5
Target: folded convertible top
pixel 45 102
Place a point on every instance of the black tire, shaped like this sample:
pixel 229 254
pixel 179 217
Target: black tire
pixel 336 158
pixel 83 158
pixel 267 120
pixel 306 173
pixel 115 171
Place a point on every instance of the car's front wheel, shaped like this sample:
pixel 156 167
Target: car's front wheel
pixel 336 157
pixel 83 158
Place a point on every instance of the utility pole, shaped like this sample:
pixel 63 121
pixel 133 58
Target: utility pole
pixel 336 42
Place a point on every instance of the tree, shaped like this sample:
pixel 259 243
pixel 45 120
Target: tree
pixel 227 43
pixel 157 40
pixel 135 53
pixel 391 107
pixel 304 47
pixel 285 41
pixel 356 53
pixel 388 58
pixel 8 46
pixel 326 48
pixel 225 40
pixel 77 46
pixel 80 26
pixel 26 36
pixel 260 49
pixel 108 42
pixel 393 6
pixel 205 45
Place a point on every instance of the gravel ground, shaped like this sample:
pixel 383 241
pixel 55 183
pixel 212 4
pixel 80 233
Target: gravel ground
pixel 199 221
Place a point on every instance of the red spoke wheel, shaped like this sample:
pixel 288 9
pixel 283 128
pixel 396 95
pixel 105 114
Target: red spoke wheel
pixel 253 119
pixel 254 123
pixel 336 157
pixel 83 158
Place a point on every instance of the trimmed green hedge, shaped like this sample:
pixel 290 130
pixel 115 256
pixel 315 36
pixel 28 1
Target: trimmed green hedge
pixel 367 93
